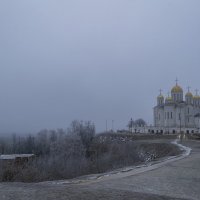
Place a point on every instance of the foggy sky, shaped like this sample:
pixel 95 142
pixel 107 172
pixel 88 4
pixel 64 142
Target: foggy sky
pixel 93 59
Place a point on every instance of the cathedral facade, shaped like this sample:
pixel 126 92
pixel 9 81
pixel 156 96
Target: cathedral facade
pixel 177 112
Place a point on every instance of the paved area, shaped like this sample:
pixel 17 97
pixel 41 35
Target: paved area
pixel 173 180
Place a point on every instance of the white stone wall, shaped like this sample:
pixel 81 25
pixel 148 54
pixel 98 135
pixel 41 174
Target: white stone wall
pixel 197 122
pixel 162 130
pixel 158 116
pixel 180 116
pixel 169 116
pixel 176 115
pixel 189 116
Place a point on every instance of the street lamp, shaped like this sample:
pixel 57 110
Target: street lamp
pixel 113 125
pixel 180 119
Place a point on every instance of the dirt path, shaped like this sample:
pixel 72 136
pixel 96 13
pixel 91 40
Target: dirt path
pixel 173 180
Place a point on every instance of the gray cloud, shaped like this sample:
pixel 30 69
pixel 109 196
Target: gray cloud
pixel 92 60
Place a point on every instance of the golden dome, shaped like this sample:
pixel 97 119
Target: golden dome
pixel 160 96
pixel 168 99
pixel 189 94
pixel 196 97
pixel 176 89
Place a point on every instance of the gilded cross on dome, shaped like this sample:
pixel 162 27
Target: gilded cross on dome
pixel 176 81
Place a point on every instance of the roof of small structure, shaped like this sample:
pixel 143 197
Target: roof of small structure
pixel 14 156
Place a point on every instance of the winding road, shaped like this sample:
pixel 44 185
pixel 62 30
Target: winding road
pixel 175 179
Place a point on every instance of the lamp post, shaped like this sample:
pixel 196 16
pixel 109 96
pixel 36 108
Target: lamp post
pixel 198 122
pixel 180 119
pixel 131 125
pixel 112 125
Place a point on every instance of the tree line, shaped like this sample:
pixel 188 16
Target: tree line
pixel 64 154
pixel 58 153
pixel 47 141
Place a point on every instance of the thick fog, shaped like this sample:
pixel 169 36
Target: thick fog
pixel 93 60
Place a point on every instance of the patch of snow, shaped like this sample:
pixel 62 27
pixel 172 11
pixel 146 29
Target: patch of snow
pixel 186 150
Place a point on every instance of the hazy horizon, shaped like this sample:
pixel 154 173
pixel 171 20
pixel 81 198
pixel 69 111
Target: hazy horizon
pixel 93 60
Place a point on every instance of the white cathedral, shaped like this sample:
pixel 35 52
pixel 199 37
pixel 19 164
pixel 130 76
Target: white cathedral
pixel 174 114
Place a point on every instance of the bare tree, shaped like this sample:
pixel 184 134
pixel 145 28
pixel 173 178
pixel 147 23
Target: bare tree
pixel 84 130
pixel 140 123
